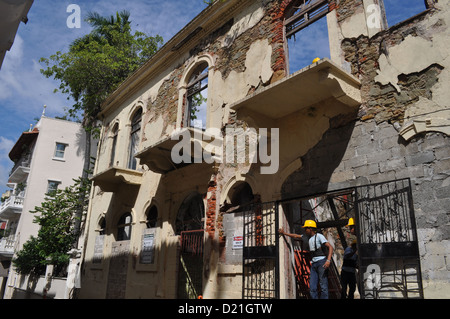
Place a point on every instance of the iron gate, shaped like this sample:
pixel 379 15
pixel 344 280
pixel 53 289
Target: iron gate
pixel 389 260
pixel 330 211
pixel 191 264
pixel 388 253
pixel 260 251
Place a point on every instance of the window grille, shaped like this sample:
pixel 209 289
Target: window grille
pixel 306 12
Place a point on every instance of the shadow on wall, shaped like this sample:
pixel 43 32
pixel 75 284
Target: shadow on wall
pixel 108 279
pixel 166 269
pixel 320 163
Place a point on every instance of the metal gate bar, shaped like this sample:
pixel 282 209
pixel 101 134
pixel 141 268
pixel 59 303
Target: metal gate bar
pixel 260 251
pixel 389 257
pixel 389 260
pixel 191 264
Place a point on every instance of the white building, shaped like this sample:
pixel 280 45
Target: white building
pixel 49 156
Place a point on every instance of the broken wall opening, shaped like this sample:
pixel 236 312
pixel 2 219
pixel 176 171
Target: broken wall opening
pixel 400 10
pixel 306 33
pixel 331 213
pixel 190 227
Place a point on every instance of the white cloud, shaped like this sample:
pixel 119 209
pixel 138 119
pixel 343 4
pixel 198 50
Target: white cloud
pixel 5 163
pixel 24 90
pixel 308 44
pixel 5 146
pixel 12 62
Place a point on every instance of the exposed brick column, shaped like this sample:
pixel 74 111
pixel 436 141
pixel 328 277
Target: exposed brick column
pixel 211 206
pixel 277 30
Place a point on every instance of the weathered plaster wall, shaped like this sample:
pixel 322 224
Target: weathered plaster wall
pixel 361 153
pixel 242 62
pixel 404 71
pixel 324 147
pixel 401 129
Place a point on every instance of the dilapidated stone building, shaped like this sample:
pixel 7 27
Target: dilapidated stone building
pixel 217 142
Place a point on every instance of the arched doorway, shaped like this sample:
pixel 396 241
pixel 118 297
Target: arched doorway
pixel 241 194
pixel 254 240
pixel 190 227
pixel 120 252
pixel 238 198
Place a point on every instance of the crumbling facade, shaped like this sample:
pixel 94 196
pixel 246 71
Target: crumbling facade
pixel 214 144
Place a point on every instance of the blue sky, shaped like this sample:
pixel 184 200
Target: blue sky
pixel 24 91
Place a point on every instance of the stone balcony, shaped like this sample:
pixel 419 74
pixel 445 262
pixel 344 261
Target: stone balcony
pixel 319 82
pixel 159 158
pixel 112 178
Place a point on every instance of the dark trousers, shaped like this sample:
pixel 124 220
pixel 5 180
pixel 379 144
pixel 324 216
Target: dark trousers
pixel 348 279
pixel 318 276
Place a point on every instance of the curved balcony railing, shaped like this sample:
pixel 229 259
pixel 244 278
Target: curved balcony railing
pixel 7 246
pixel 11 206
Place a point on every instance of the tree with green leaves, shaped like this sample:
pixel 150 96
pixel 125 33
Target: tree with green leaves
pixel 98 62
pixel 56 235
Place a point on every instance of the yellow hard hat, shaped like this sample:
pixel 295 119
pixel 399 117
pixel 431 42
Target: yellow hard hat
pixel 310 223
pixel 351 222
pixel 316 60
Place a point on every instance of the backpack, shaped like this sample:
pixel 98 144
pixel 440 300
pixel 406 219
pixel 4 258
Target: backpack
pixel 321 251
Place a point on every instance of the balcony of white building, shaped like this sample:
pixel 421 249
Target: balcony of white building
pixel 11 207
pixel 20 170
pixel 7 246
pixel 21 155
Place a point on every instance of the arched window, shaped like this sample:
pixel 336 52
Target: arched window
pixel 191 214
pixel 242 194
pixel 124 227
pixel 196 98
pixel 152 217
pixel 102 226
pixel 114 133
pixel 134 138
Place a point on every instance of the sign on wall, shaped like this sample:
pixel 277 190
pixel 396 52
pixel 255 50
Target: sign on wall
pixel 98 249
pixel 238 242
pixel 148 246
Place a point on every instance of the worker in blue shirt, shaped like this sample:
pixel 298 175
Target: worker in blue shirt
pixel 321 259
